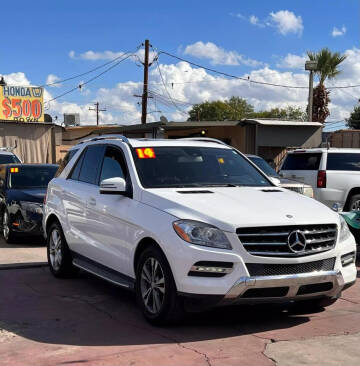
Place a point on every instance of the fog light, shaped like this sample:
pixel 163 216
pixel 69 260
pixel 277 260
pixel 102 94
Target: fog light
pixel 210 269
pixel 348 258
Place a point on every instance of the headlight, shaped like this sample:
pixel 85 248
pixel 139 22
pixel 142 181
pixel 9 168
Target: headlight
pixel 199 233
pixel 344 229
pixel 32 207
pixel 309 192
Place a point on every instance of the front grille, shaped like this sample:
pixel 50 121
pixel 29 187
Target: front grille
pixel 258 269
pixel 273 241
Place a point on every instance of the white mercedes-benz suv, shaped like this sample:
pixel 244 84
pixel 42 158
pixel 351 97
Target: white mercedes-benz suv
pixel 189 224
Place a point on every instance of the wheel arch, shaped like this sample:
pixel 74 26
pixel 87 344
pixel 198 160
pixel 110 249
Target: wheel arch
pixel 142 245
pixel 352 192
pixel 50 220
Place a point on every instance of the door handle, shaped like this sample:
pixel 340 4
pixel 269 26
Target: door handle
pixel 92 201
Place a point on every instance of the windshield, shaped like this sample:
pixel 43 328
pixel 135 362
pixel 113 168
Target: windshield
pixel 161 167
pixel 21 177
pixel 264 166
pixel 8 159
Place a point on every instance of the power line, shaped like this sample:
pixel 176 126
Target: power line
pixel 86 72
pixel 248 79
pixel 166 90
pixel 90 80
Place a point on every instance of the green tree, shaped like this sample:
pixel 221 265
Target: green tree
pixel 233 109
pixel 290 113
pixel 327 68
pixel 354 120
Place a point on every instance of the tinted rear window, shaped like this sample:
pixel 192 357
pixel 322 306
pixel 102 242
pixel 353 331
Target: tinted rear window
pixel 8 159
pixel 341 161
pixel 31 176
pixel 307 161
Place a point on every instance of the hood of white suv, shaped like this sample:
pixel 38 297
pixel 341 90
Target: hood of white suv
pixel 229 208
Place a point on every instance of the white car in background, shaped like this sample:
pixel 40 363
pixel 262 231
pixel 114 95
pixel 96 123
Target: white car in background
pixel 333 173
pixel 190 224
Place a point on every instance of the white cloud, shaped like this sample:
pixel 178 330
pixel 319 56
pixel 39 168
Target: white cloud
pixel 194 85
pixel 218 55
pixel 338 32
pixel 51 79
pixel 291 61
pixel 16 78
pixel 287 22
pixel 94 56
pixel 254 20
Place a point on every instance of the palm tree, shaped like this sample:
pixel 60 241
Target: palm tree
pixel 327 68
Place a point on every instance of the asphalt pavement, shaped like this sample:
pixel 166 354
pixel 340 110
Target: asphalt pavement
pixel 85 321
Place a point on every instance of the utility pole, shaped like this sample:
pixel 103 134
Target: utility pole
pixel 145 86
pixel 311 66
pixel 97 111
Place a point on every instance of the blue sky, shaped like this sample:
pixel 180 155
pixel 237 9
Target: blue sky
pixel 248 37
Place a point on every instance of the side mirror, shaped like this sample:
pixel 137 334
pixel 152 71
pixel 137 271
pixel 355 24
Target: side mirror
pixel 114 185
pixel 275 180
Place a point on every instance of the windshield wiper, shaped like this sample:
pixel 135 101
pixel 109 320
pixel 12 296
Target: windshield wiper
pixel 217 185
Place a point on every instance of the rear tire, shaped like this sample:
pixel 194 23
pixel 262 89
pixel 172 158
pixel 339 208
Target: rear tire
pixel 58 253
pixel 8 234
pixel 354 203
pixel 156 290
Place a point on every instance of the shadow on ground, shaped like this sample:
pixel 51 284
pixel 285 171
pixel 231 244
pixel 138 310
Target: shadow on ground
pixel 86 311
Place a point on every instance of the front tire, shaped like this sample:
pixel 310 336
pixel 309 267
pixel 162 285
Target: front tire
pixel 58 253
pixel 8 234
pixel 156 290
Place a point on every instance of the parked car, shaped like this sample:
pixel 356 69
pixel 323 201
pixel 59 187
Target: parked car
pixel 290 184
pixel 333 173
pixel 189 224
pixel 22 191
pixel 7 156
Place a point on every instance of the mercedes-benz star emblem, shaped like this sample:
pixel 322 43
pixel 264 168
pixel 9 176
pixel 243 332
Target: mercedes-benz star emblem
pixel 297 241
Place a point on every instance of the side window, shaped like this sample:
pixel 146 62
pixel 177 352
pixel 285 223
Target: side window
pixel 65 161
pixel 91 165
pixel 76 170
pixel 113 164
pixel 306 161
pixel 343 161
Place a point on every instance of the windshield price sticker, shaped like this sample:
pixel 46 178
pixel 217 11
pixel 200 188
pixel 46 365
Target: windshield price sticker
pixel 146 153
pixel 21 103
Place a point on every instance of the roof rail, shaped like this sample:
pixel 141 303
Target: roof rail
pixel 106 137
pixel 204 139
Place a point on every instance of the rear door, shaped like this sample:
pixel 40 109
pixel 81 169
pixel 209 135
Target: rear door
pixel 342 173
pixel 302 167
pixel 79 193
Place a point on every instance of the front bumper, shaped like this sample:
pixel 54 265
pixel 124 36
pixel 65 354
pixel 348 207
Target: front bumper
pixel 287 287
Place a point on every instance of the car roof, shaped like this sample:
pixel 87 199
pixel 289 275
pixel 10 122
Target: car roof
pixel 330 150
pixel 143 142
pixel 4 152
pixel 30 164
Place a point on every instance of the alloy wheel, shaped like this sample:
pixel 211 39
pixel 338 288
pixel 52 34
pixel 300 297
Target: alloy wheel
pixel 152 284
pixel 55 249
pixel 355 206
pixel 6 229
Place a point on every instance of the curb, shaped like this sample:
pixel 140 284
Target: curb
pixel 23 265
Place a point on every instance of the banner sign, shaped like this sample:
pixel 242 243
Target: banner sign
pixel 21 103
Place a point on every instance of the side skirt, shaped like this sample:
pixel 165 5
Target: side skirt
pixel 102 271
